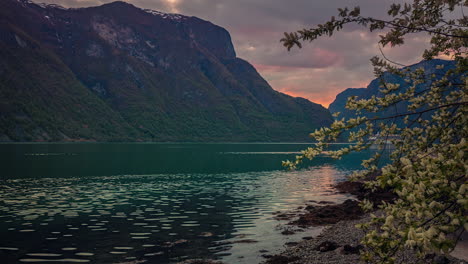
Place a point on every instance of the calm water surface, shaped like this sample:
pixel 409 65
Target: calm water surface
pixel 160 203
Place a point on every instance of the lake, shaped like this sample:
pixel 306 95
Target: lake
pixel 155 202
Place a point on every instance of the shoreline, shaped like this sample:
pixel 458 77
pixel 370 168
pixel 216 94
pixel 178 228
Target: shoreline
pixel 339 241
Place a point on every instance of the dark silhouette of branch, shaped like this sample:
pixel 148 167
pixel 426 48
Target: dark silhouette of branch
pixel 385 57
pixel 415 113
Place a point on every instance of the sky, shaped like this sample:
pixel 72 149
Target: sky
pixel 318 71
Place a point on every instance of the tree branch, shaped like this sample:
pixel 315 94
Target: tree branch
pixel 415 113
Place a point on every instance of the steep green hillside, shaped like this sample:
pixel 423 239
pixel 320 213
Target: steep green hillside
pixel 42 100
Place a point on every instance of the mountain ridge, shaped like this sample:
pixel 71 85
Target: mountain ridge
pixel 429 66
pixel 146 76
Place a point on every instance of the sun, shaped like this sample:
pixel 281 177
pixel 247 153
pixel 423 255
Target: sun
pixel 172 4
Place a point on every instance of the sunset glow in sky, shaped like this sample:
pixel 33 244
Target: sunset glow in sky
pixel 319 70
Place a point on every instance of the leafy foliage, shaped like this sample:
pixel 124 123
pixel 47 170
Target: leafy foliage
pixel 428 170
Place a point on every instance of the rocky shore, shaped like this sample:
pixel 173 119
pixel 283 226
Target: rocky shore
pixel 339 241
pixel 339 244
pixel 336 244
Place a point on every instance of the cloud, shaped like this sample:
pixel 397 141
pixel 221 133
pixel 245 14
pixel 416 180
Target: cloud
pixel 318 85
pixel 319 70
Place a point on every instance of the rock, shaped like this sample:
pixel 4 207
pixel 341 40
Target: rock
pixel 284 216
pixel 291 244
pixel 358 189
pixel 287 232
pixel 348 249
pixel 441 260
pixel 325 202
pixel 354 188
pixel 329 214
pixel 326 246
pixel 245 241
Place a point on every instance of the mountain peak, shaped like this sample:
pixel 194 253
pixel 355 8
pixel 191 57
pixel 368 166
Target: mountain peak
pixel 125 5
pixel 119 3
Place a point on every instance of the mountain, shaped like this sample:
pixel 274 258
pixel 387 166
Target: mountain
pixel 430 68
pixel 120 73
pixel 338 105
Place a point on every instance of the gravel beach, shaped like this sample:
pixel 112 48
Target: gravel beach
pixel 308 251
pixel 339 244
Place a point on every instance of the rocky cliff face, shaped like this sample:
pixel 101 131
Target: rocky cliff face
pixel 117 72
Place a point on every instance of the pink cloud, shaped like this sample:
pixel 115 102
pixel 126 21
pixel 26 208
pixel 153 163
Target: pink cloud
pixel 317 58
pixel 254 31
pixel 274 68
pixel 318 85
pixel 327 57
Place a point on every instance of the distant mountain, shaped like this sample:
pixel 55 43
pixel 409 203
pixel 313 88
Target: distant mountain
pixel 119 73
pixel 338 105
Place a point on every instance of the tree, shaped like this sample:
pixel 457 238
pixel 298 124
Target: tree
pixel 428 169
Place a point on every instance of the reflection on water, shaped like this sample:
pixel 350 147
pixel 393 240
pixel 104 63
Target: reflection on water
pixel 159 217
